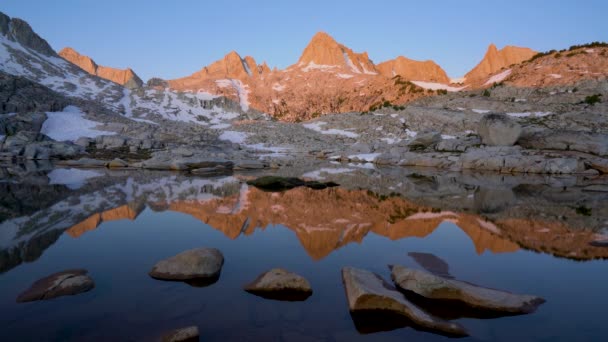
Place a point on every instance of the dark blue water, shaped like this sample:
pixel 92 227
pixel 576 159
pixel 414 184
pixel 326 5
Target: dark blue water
pixel 128 305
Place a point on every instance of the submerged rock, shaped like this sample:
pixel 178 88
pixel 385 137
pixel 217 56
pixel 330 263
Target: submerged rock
pixel 280 284
pixel 64 283
pixel 366 291
pixel 431 263
pixel 435 287
pixel 275 183
pixel 187 334
pixel 498 130
pixel 199 263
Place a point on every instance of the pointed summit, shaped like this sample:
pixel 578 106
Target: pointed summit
pixel 495 59
pixel 126 77
pixel 325 50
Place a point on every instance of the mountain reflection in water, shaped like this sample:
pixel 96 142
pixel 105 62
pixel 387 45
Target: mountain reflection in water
pixel 496 219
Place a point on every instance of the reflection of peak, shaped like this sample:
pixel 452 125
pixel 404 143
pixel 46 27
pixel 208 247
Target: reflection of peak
pixel 332 218
pixel 128 211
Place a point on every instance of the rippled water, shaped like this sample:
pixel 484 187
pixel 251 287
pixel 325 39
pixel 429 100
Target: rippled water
pixel 525 235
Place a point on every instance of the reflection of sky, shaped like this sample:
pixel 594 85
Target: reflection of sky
pixel 127 302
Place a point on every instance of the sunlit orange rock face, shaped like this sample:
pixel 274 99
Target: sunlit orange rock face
pixel 410 69
pixel 125 77
pixel 328 78
pixel 561 68
pixel 495 60
pixel 333 218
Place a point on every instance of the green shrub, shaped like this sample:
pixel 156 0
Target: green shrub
pixel 486 93
pixel 593 99
pixel 442 91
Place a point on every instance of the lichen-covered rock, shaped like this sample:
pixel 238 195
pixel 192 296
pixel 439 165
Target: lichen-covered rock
pixel 192 264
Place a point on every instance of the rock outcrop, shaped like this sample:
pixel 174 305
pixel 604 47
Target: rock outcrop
pixel 427 71
pixel 366 291
pixel 126 77
pixel 438 288
pixel 65 283
pixel 495 60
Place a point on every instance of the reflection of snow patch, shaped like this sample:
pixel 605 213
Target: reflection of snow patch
pixel 368 157
pixel 317 174
pixel 72 178
pixel 481 111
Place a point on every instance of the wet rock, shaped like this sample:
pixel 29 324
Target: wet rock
pixel 117 163
pixel 65 283
pixel 425 139
pixel 276 183
pixel 498 130
pixel 280 284
pixel 434 287
pixel 366 291
pixel 187 334
pixel 199 263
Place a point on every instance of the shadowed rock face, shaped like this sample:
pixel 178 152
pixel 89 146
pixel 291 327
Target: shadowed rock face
pixel 18 94
pixel 59 284
pixel 439 288
pixel 21 32
pixel 366 291
pixel 125 77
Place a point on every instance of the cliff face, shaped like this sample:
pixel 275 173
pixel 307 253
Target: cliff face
pixel 495 60
pixel 427 71
pixel 125 77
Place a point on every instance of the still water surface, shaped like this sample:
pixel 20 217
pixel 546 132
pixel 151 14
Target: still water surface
pixel 118 230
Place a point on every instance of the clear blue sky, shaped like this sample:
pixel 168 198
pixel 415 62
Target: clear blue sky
pixel 175 38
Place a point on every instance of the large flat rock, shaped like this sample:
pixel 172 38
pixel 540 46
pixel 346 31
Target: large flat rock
pixel 192 264
pixel 432 286
pixel 367 291
pixel 64 283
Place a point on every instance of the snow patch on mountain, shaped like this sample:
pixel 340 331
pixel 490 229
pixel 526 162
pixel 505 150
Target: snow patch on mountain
pixel 70 125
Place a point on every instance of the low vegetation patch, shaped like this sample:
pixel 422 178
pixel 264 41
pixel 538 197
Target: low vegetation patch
pixel 593 99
